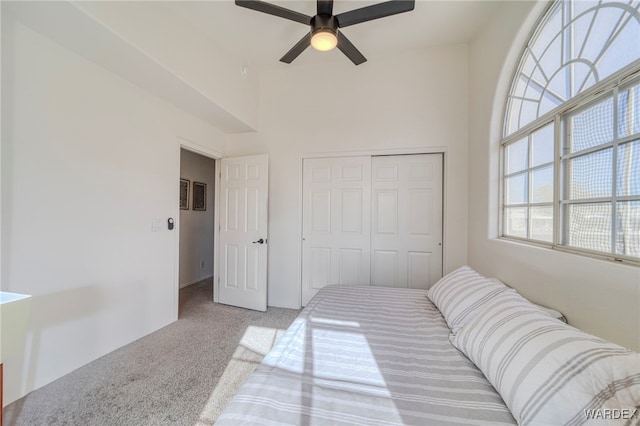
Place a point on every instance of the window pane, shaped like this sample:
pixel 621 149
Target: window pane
pixel 590 226
pixel 512 115
pixel 629 169
pixel 542 185
pixel 590 176
pixel 515 221
pixel 628 228
pixel 629 112
pixel 552 25
pixel 529 112
pixel 542 146
pixel 517 156
pixel 622 47
pixel 516 189
pixel 542 223
pixel 591 127
pixel 602 25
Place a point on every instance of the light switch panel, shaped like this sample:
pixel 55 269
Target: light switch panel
pixel 156 225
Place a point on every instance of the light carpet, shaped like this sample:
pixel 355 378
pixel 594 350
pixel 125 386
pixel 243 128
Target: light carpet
pixel 183 374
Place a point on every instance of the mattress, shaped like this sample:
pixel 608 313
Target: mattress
pixel 368 356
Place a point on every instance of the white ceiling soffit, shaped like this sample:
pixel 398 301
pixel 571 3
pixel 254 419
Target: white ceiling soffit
pixel 63 23
pixel 262 39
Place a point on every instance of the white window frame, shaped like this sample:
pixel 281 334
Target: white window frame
pixel 620 80
pixel 610 85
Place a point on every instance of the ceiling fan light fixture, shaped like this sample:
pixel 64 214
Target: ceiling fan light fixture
pixel 324 40
pixel 324 24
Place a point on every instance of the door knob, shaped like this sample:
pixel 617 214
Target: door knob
pixel 260 241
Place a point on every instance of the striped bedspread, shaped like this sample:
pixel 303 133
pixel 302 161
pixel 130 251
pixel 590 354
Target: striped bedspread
pixel 368 356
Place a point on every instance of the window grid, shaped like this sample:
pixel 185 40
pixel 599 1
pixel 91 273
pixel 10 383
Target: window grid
pixel 537 80
pixel 528 172
pixel 614 145
pixel 613 68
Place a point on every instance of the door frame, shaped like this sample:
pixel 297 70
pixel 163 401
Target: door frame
pixel 374 152
pixel 215 155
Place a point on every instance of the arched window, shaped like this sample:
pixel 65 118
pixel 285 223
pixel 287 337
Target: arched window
pixel 571 143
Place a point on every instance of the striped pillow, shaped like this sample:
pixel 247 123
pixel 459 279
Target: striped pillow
pixel 546 371
pixel 461 293
pixel 556 314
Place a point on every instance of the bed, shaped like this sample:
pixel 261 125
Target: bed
pixel 470 351
pixel 368 356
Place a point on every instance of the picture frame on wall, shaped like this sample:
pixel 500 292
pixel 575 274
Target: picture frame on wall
pixel 184 194
pixel 199 196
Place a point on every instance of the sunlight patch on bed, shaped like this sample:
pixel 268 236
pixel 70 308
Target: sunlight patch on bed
pixel 331 321
pixel 343 363
pixel 254 344
pixel 290 354
pixel 344 356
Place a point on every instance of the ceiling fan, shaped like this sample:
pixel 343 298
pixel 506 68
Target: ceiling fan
pixel 324 25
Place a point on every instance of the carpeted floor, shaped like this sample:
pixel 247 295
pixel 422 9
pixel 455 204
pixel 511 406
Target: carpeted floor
pixel 183 374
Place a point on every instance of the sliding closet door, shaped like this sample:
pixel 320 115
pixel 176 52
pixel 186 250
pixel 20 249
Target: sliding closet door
pixel 406 234
pixel 336 223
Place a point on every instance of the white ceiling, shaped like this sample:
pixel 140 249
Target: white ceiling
pixel 261 39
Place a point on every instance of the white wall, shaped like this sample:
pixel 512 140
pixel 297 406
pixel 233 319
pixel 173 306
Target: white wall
pixel 196 227
pixel 600 297
pixel 190 55
pixel 88 160
pixel 412 99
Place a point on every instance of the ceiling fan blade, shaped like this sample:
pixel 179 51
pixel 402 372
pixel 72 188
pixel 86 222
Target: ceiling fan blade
pixel 350 50
pixel 297 49
pixel 325 6
pixel 272 9
pixel 375 11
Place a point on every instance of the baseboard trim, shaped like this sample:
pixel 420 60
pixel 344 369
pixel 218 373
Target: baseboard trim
pixel 196 281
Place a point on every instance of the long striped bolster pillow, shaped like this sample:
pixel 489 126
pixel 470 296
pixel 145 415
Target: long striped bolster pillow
pixel 461 293
pixel 547 372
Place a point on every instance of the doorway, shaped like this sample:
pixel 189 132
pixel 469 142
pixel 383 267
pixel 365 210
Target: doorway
pixel 196 221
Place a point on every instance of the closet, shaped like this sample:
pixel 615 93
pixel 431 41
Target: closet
pixel 371 220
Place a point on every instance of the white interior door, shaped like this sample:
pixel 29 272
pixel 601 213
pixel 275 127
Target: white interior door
pixel 243 232
pixel 406 235
pixel 336 223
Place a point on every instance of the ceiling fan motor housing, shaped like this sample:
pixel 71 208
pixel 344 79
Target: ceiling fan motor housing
pixel 324 22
